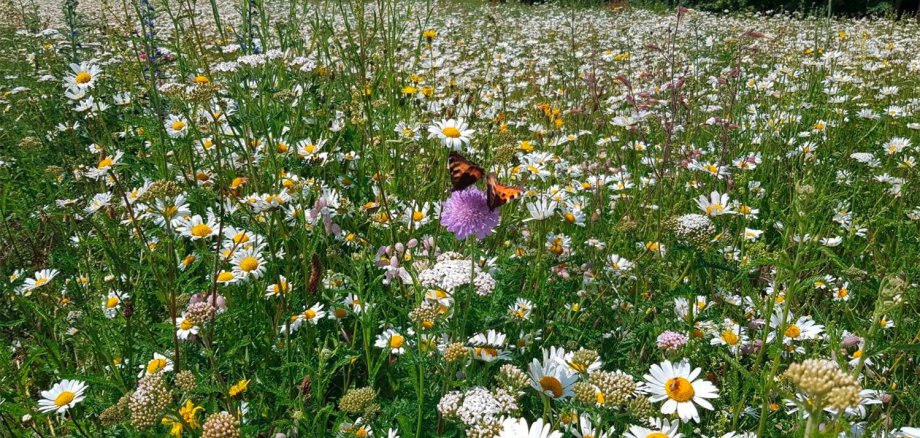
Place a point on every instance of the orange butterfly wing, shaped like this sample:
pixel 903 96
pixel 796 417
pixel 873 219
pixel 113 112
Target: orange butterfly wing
pixel 463 172
pixel 498 194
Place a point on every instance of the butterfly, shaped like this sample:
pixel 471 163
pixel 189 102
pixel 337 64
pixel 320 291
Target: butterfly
pixel 498 194
pixel 463 172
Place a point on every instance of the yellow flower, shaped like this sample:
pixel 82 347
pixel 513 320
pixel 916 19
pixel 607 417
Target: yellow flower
pixel 239 388
pixel 189 414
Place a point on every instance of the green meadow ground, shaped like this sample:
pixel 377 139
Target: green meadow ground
pixel 231 220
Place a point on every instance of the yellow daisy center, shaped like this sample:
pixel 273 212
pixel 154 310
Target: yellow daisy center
pixel 551 384
pixel 451 132
pixel 656 435
pixel 186 325
pixel 225 276
pixel 40 282
pixel 178 125
pixel 729 337
pixel 679 389
pixel 111 302
pixel 83 77
pixel 64 398
pixel 105 163
pixel 310 314
pixel 239 238
pixel 793 331
pixel 249 264
pixel 486 351
pixel 156 365
pixel 201 230
pixel 397 341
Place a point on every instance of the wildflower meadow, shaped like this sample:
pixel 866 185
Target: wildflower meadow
pixel 411 218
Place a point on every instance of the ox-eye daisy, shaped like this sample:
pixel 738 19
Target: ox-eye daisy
pixel 518 428
pixel 552 379
pixel 84 75
pixel 159 364
pixel 280 288
pixel 311 315
pixel 40 279
pixel 248 262
pixel 716 205
pixel 185 327
pixel 197 228
pixel 176 126
pixel 112 303
pixel 802 329
pixel 392 341
pixel 452 133
pixel 660 428
pixel 679 386
pixel 62 396
pixel 489 346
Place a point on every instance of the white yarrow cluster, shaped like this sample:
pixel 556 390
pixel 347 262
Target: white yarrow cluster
pixel 693 227
pixel 453 271
pixel 477 406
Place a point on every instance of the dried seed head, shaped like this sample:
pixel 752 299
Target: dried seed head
pixel 824 383
pixel 582 359
pixel 585 393
pixel 149 401
pixel 221 425
pixel 456 352
pixel 185 381
pixel 359 401
pixel 512 378
pixel 616 387
pixel 640 408
pixel 200 313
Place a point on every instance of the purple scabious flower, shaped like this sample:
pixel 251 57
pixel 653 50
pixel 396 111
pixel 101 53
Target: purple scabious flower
pixel 466 213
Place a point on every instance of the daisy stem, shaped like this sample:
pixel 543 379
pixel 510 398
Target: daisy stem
pixel 768 380
pixel 547 409
pixel 420 393
pixel 77 424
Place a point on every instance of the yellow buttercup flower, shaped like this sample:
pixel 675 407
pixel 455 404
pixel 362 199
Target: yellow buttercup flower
pixel 239 388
